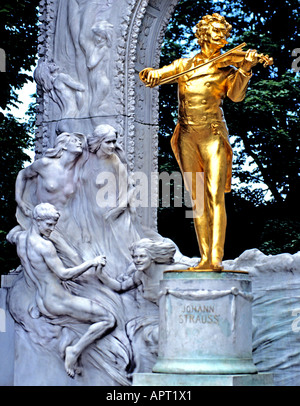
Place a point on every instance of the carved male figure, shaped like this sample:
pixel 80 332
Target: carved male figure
pixel 46 271
pixel 200 141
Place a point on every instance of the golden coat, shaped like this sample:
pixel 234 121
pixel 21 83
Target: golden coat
pixel 201 94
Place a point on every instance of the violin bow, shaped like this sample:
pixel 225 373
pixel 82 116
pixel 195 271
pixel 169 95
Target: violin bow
pixel 217 58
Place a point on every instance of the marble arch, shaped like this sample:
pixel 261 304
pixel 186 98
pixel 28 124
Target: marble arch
pixel 138 31
pixel 155 18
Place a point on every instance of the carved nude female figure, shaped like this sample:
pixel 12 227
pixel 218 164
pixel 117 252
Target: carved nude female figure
pixel 97 59
pixel 106 196
pixel 54 173
pixel 52 179
pixel 66 92
pixel 151 258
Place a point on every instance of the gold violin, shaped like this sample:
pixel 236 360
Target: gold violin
pixel 236 56
pixel 233 57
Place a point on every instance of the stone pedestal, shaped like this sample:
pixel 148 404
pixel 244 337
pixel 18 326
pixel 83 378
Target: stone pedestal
pixel 179 380
pixel 7 334
pixel 205 331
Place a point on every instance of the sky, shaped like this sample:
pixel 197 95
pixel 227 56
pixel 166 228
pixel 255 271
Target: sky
pixel 25 97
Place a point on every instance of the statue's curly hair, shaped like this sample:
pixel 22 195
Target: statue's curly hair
pixel 204 23
pixel 44 211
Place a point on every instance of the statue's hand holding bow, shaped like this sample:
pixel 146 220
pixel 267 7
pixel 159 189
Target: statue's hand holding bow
pixel 150 77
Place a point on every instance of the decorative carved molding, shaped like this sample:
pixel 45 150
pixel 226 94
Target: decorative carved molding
pixel 47 19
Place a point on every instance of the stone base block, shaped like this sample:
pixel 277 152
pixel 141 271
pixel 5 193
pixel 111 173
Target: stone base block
pixel 7 334
pixel 155 379
pixel 205 324
pixel 205 366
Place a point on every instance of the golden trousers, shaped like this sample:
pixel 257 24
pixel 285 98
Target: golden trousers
pixel 203 148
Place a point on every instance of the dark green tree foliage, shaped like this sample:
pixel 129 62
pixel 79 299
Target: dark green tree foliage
pixel 14 137
pixel 265 127
pixel 18 33
pixel 18 38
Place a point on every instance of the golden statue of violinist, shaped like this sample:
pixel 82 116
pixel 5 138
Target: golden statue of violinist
pixel 200 141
